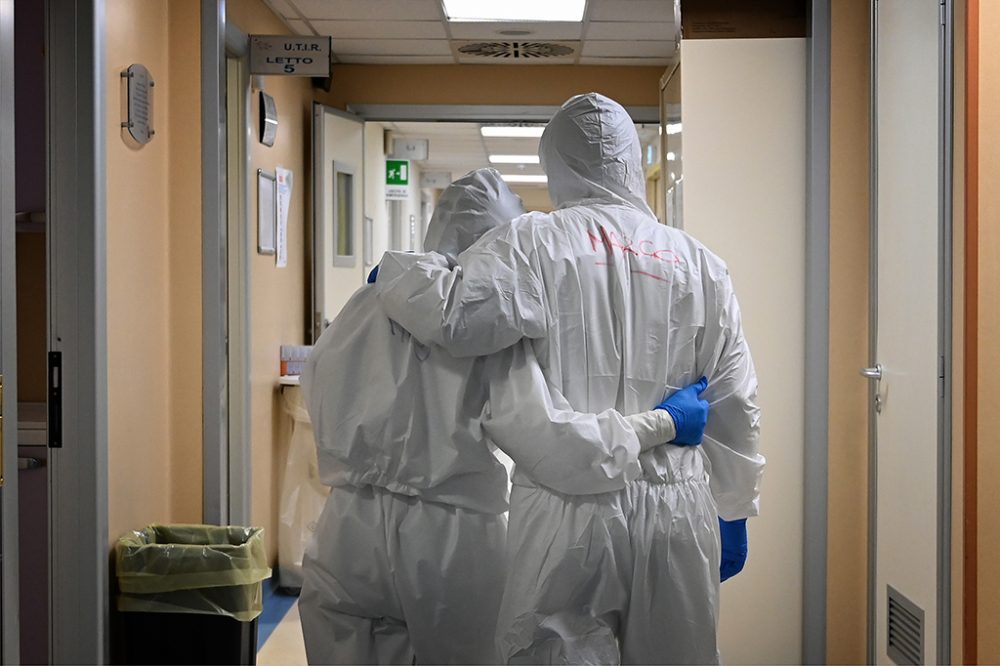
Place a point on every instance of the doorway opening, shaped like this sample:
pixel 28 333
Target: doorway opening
pixel 32 331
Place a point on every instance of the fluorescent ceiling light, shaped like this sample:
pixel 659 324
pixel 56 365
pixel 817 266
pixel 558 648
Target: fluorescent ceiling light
pixel 514 159
pixel 671 156
pixel 501 131
pixel 523 178
pixel 673 128
pixel 515 10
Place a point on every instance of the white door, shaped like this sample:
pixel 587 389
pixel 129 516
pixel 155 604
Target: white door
pixel 9 635
pixel 338 211
pixel 909 592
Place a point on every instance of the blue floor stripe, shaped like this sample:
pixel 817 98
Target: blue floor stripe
pixel 276 606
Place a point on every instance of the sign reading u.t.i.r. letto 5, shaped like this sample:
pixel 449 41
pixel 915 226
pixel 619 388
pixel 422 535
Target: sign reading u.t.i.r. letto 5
pixel 290 55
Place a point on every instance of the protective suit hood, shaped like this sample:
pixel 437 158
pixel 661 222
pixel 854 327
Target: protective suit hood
pixel 590 150
pixel 467 209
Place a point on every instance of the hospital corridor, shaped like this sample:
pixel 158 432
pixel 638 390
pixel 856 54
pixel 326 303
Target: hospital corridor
pixel 499 332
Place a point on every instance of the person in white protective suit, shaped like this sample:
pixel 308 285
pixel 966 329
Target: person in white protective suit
pixel 619 311
pixel 408 560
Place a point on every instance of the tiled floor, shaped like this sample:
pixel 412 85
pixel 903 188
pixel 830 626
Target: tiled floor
pixel 279 631
pixel 284 647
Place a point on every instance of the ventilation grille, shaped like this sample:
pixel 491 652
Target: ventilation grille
pixel 905 630
pixel 515 51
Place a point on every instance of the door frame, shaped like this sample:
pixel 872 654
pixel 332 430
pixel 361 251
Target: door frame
pixel 476 113
pixel 238 288
pixel 946 29
pixel 214 271
pixel 946 236
pixel 226 395
pixel 817 338
pixel 77 232
pixel 9 588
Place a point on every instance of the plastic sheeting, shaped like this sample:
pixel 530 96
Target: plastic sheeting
pixel 192 569
pixel 302 494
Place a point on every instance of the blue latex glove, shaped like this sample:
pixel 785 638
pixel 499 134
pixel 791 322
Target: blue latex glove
pixel 689 412
pixel 734 547
pixel 373 275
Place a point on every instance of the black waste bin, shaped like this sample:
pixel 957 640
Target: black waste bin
pixel 190 594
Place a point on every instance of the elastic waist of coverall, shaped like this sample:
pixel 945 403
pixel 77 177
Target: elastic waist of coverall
pixel 669 463
pixel 665 465
pixel 470 492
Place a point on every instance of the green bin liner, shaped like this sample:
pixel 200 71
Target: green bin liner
pixel 192 569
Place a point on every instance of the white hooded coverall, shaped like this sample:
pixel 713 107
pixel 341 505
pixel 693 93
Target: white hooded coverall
pixel 408 560
pixel 620 311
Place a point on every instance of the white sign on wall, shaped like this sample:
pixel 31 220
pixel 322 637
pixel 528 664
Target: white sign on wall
pixel 289 55
pixel 410 149
pixel 435 179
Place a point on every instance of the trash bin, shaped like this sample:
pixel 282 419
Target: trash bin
pixel 190 594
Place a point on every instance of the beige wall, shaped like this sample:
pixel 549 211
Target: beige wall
pixel 278 296
pixel 154 273
pixel 138 292
pixel 489 84
pixel 184 108
pixel 847 564
pixel 989 332
pixel 534 198
pixel 745 105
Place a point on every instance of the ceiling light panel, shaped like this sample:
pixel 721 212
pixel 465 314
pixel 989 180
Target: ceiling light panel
pixel 524 178
pixel 515 10
pixel 512 132
pixel 514 159
pixel 493 30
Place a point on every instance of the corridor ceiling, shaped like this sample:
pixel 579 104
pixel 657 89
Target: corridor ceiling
pixel 613 32
pixel 460 147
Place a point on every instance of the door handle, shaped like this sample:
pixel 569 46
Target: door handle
pixel 876 374
pixel 872 373
pixel 30 463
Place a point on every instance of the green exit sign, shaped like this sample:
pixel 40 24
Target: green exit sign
pixel 397 180
pixel 397 172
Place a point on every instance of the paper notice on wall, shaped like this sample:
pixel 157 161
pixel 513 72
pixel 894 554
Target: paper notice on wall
pixel 284 178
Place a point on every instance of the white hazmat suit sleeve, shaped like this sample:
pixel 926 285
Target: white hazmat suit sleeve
pixel 732 435
pixel 568 451
pixel 488 302
pixel 652 428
